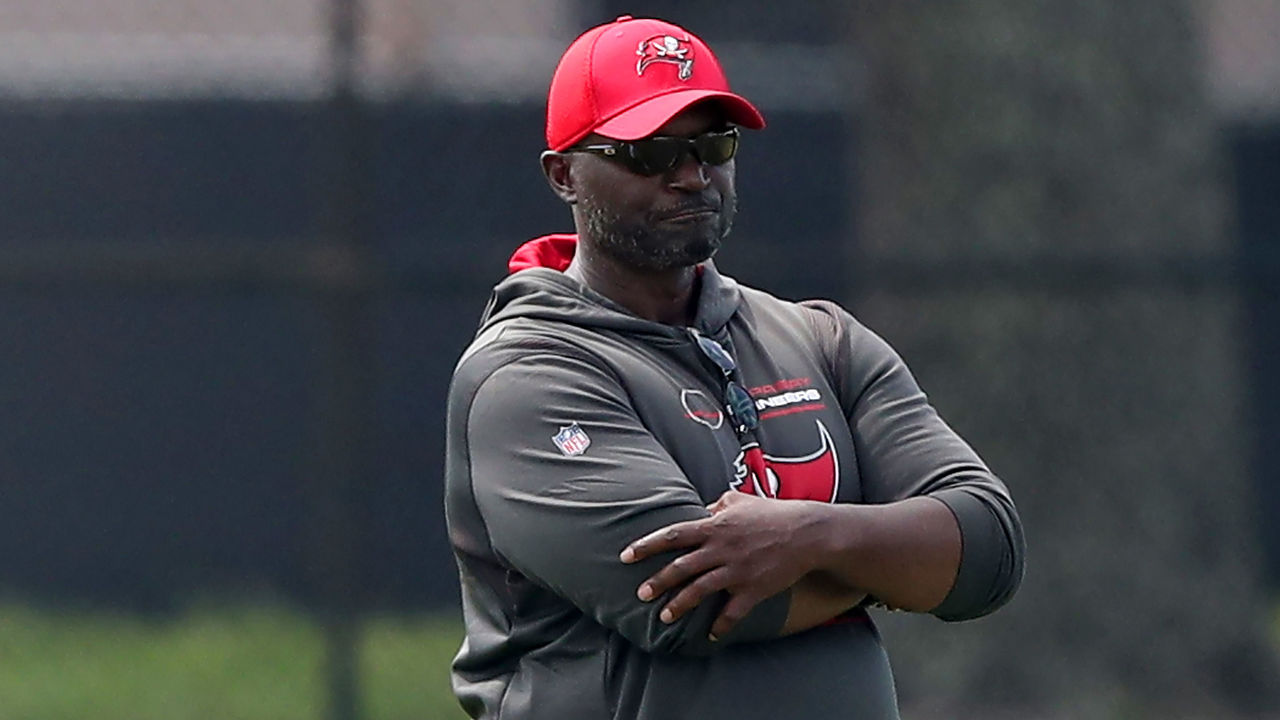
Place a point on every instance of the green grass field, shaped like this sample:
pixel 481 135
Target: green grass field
pixel 244 663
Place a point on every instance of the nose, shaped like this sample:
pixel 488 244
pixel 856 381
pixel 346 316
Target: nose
pixel 690 175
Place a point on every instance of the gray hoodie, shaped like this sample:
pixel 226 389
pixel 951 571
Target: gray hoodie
pixel 575 427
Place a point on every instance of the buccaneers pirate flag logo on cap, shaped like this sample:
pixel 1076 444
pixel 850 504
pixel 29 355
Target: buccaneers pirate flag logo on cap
pixel 666 49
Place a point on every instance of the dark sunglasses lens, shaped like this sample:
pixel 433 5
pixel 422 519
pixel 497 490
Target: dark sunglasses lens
pixel 712 349
pixel 716 148
pixel 743 407
pixel 656 155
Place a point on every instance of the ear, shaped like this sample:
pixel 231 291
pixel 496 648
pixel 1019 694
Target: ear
pixel 556 166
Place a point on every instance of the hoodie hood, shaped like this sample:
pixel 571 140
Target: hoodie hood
pixel 538 289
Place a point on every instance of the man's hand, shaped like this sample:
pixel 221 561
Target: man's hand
pixel 750 546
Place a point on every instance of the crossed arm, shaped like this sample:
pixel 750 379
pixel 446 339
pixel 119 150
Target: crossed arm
pixel 831 556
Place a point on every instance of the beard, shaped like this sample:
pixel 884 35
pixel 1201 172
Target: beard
pixel 649 244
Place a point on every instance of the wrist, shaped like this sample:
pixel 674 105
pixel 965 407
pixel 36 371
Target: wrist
pixel 840 532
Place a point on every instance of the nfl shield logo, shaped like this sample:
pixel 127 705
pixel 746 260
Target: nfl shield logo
pixel 571 440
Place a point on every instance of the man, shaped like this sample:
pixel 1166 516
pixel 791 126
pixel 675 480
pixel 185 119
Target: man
pixel 673 496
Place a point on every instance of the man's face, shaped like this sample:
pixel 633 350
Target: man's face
pixel 659 222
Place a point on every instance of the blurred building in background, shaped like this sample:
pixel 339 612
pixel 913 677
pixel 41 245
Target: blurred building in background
pixel 1063 214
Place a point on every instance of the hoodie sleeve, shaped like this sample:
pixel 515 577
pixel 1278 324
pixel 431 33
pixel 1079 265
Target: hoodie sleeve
pixel 905 449
pixel 559 513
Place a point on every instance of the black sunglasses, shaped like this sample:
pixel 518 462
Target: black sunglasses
pixel 657 155
pixel 742 409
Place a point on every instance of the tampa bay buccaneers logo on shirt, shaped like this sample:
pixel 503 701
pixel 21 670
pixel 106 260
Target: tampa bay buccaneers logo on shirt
pixel 815 476
pixel 666 49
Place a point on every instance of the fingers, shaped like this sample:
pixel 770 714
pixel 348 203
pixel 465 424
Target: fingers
pixel 734 610
pixel 676 573
pixel 672 537
pixel 694 593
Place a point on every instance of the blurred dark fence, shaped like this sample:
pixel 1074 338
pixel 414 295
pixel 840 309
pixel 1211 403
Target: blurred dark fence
pixel 159 275
pixel 163 345
pixel 1255 160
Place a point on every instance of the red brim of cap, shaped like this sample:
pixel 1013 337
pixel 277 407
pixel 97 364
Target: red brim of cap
pixel 644 119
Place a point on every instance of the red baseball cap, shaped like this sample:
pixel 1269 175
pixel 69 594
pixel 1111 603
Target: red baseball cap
pixel 626 79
